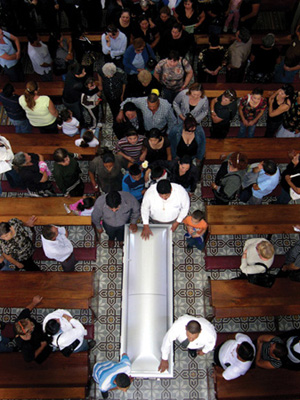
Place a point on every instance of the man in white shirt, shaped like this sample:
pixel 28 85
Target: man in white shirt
pixel 235 356
pixel 40 58
pixel 114 45
pixel 196 334
pixel 256 252
pixel 67 332
pixel 164 203
pixel 57 246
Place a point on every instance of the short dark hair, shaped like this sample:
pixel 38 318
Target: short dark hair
pixel 130 106
pixel 280 350
pixel 108 157
pixel 257 91
pixel 244 34
pixel 152 98
pixel 154 133
pixel 134 170
pixel 246 351
pixel 32 37
pixel 270 167
pixel 185 160
pixel 164 186
pixel 60 154
pixel 214 39
pixel 178 26
pixel 131 132
pixel 193 327
pixel 113 199
pixel 112 28
pixel 174 55
pixel 198 215
pixel 165 10
pixel 8 90
pixel 47 232
pixel 156 172
pixel 122 380
pixel 52 327
pixel 4 228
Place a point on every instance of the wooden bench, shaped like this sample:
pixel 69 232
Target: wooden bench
pixel 239 298
pixel 234 262
pixel 207 192
pixel 257 219
pixel 59 289
pixel 228 38
pixel 258 383
pixel 48 210
pixel 58 377
pixel 46 144
pixel 256 149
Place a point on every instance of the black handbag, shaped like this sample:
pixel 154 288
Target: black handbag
pixel 265 279
pixel 68 350
pixel 151 63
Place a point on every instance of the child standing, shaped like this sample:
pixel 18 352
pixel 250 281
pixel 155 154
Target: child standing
pixel 196 227
pixel 91 102
pixel 233 12
pixel 68 123
pixel 134 182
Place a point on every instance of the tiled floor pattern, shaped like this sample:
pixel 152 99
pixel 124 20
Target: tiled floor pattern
pixel 192 378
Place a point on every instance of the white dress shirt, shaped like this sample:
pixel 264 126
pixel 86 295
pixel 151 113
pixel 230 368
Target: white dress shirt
pixel 228 355
pixel 69 330
pixel 39 56
pixel 205 341
pixel 176 207
pixel 248 264
pixel 117 46
pixel 59 249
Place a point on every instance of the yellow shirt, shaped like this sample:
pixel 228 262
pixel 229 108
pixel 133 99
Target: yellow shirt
pixel 40 115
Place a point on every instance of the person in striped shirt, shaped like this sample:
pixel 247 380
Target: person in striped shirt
pixel 131 147
pixel 111 376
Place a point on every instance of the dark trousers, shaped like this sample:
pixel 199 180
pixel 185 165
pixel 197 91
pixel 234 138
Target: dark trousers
pixel 49 128
pixel 69 264
pixel 114 232
pixel 78 190
pixel 219 131
pixel 30 265
pixel 15 73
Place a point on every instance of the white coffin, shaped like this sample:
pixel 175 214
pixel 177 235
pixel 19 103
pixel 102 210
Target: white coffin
pixel 147 302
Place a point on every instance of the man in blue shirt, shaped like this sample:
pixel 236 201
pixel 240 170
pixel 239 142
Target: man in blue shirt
pixel 112 376
pixel 134 182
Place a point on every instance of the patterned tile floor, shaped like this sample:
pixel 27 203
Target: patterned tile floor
pixel 192 378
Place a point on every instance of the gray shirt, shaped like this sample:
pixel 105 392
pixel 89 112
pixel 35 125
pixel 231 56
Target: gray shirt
pixel 129 211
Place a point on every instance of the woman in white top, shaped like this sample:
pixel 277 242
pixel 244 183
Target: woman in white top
pixel 40 110
pixel 191 101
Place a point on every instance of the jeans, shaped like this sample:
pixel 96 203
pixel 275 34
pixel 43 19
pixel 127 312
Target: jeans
pixel 21 126
pixel 285 133
pixel 84 346
pixel 15 73
pixel 243 130
pixel 169 94
pixel 4 348
pixel 114 232
pixel 52 128
pixel 284 197
pixel 195 242
pixel 6 268
pixel 46 77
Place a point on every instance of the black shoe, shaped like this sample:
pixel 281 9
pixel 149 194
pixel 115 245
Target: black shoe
pixel 192 353
pixel 104 395
pixel 2 325
pixel 91 344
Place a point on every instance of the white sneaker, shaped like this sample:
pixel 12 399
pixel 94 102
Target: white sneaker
pixel 225 29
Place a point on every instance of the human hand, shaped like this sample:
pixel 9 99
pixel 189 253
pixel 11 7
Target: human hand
pixel 133 228
pixel 120 117
pixel 244 254
pixel 32 220
pixel 200 353
pixel 100 231
pixel 37 300
pixel 163 366
pixel 67 317
pixel 174 226
pixel 146 232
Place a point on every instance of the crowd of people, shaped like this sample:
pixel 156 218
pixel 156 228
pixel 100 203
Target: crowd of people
pixel 147 77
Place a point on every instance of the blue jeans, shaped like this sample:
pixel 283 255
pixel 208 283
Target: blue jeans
pixel 243 130
pixel 6 266
pixel 21 126
pixel 4 348
pixel 284 197
pixel 195 242
pixel 84 346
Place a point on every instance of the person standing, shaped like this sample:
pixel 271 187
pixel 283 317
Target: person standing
pixel 57 246
pixel 235 356
pixel 112 211
pixel 110 375
pixel 9 57
pixel 114 44
pixel 195 334
pixel 164 203
pixel 40 57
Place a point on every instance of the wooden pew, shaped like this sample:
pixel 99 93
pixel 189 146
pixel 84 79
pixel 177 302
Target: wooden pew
pixel 228 38
pixel 234 262
pixel 46 144
pixel 59 289
pixel 257 219
pixel 258 383
pixel 239 298
pixel 58 377
pixel 48 210
pixel 256 149
pixel 211 89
